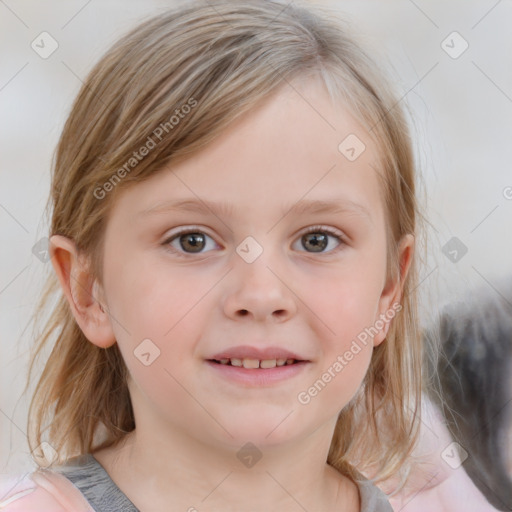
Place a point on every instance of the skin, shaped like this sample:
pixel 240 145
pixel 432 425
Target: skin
pixel 190 423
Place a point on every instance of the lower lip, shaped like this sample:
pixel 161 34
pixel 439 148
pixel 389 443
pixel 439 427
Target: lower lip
pixel 258 376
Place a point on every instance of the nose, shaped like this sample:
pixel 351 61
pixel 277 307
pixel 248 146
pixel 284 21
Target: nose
pixel 256 290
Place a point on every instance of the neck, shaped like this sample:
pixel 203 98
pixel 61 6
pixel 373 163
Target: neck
pixel 153 473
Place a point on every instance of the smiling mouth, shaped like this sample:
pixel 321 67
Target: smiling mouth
pixel 254 364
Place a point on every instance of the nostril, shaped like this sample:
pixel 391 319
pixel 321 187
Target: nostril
pixel 279 312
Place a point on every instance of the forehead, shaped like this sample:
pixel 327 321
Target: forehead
pixel 296 145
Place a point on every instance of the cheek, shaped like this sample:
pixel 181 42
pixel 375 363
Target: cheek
pixel 347 305
pixel 157 321
pixel 151 301
pixel 347 312
pixel 337 381
pixel 160 392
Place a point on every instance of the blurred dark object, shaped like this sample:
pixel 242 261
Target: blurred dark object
pixel 471 382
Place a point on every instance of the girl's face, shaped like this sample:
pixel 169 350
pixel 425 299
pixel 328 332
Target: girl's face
pixel 250 283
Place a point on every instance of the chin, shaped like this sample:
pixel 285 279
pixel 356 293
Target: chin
pixel 263 432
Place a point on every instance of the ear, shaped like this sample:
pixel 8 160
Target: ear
pixel 392 292
pixel 82 291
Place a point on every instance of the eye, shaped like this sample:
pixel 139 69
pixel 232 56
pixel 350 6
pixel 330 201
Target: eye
pixel 318 238
pixel 190 241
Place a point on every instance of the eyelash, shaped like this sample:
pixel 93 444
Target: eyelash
pixel 313 229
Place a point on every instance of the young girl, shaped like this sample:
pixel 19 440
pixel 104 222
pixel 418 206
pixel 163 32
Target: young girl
pixel 233 231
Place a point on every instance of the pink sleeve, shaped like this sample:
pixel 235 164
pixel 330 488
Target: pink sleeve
pixel 41 491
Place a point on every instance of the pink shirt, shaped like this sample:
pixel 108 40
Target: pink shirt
pixel 41 491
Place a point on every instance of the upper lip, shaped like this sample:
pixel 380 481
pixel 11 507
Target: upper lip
pixel 267 353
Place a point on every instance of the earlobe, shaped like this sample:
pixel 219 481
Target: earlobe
pixel 389 304
pixel 381 335
pixel 82 291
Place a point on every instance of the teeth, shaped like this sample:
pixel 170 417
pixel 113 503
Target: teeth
pixel 249 363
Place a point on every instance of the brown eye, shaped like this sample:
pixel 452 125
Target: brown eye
pixel 190 241
pixel 319 239
pixel 316 242
pixel 193 242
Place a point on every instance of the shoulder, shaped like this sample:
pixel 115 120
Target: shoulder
pixel 41 491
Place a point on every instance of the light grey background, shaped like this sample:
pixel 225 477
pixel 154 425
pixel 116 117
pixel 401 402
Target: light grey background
pixel 462 111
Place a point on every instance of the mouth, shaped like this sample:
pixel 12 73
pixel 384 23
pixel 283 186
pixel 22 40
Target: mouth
pixel 256 364
pixel 257 373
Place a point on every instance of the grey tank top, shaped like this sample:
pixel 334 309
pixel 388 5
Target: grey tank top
pixel 89 476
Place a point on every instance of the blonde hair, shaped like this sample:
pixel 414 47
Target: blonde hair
pixel 226 56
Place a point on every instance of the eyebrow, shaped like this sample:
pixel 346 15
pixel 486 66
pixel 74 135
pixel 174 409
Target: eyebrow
pixel 314 206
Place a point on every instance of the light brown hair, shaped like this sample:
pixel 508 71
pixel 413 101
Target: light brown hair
pixel 227 56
